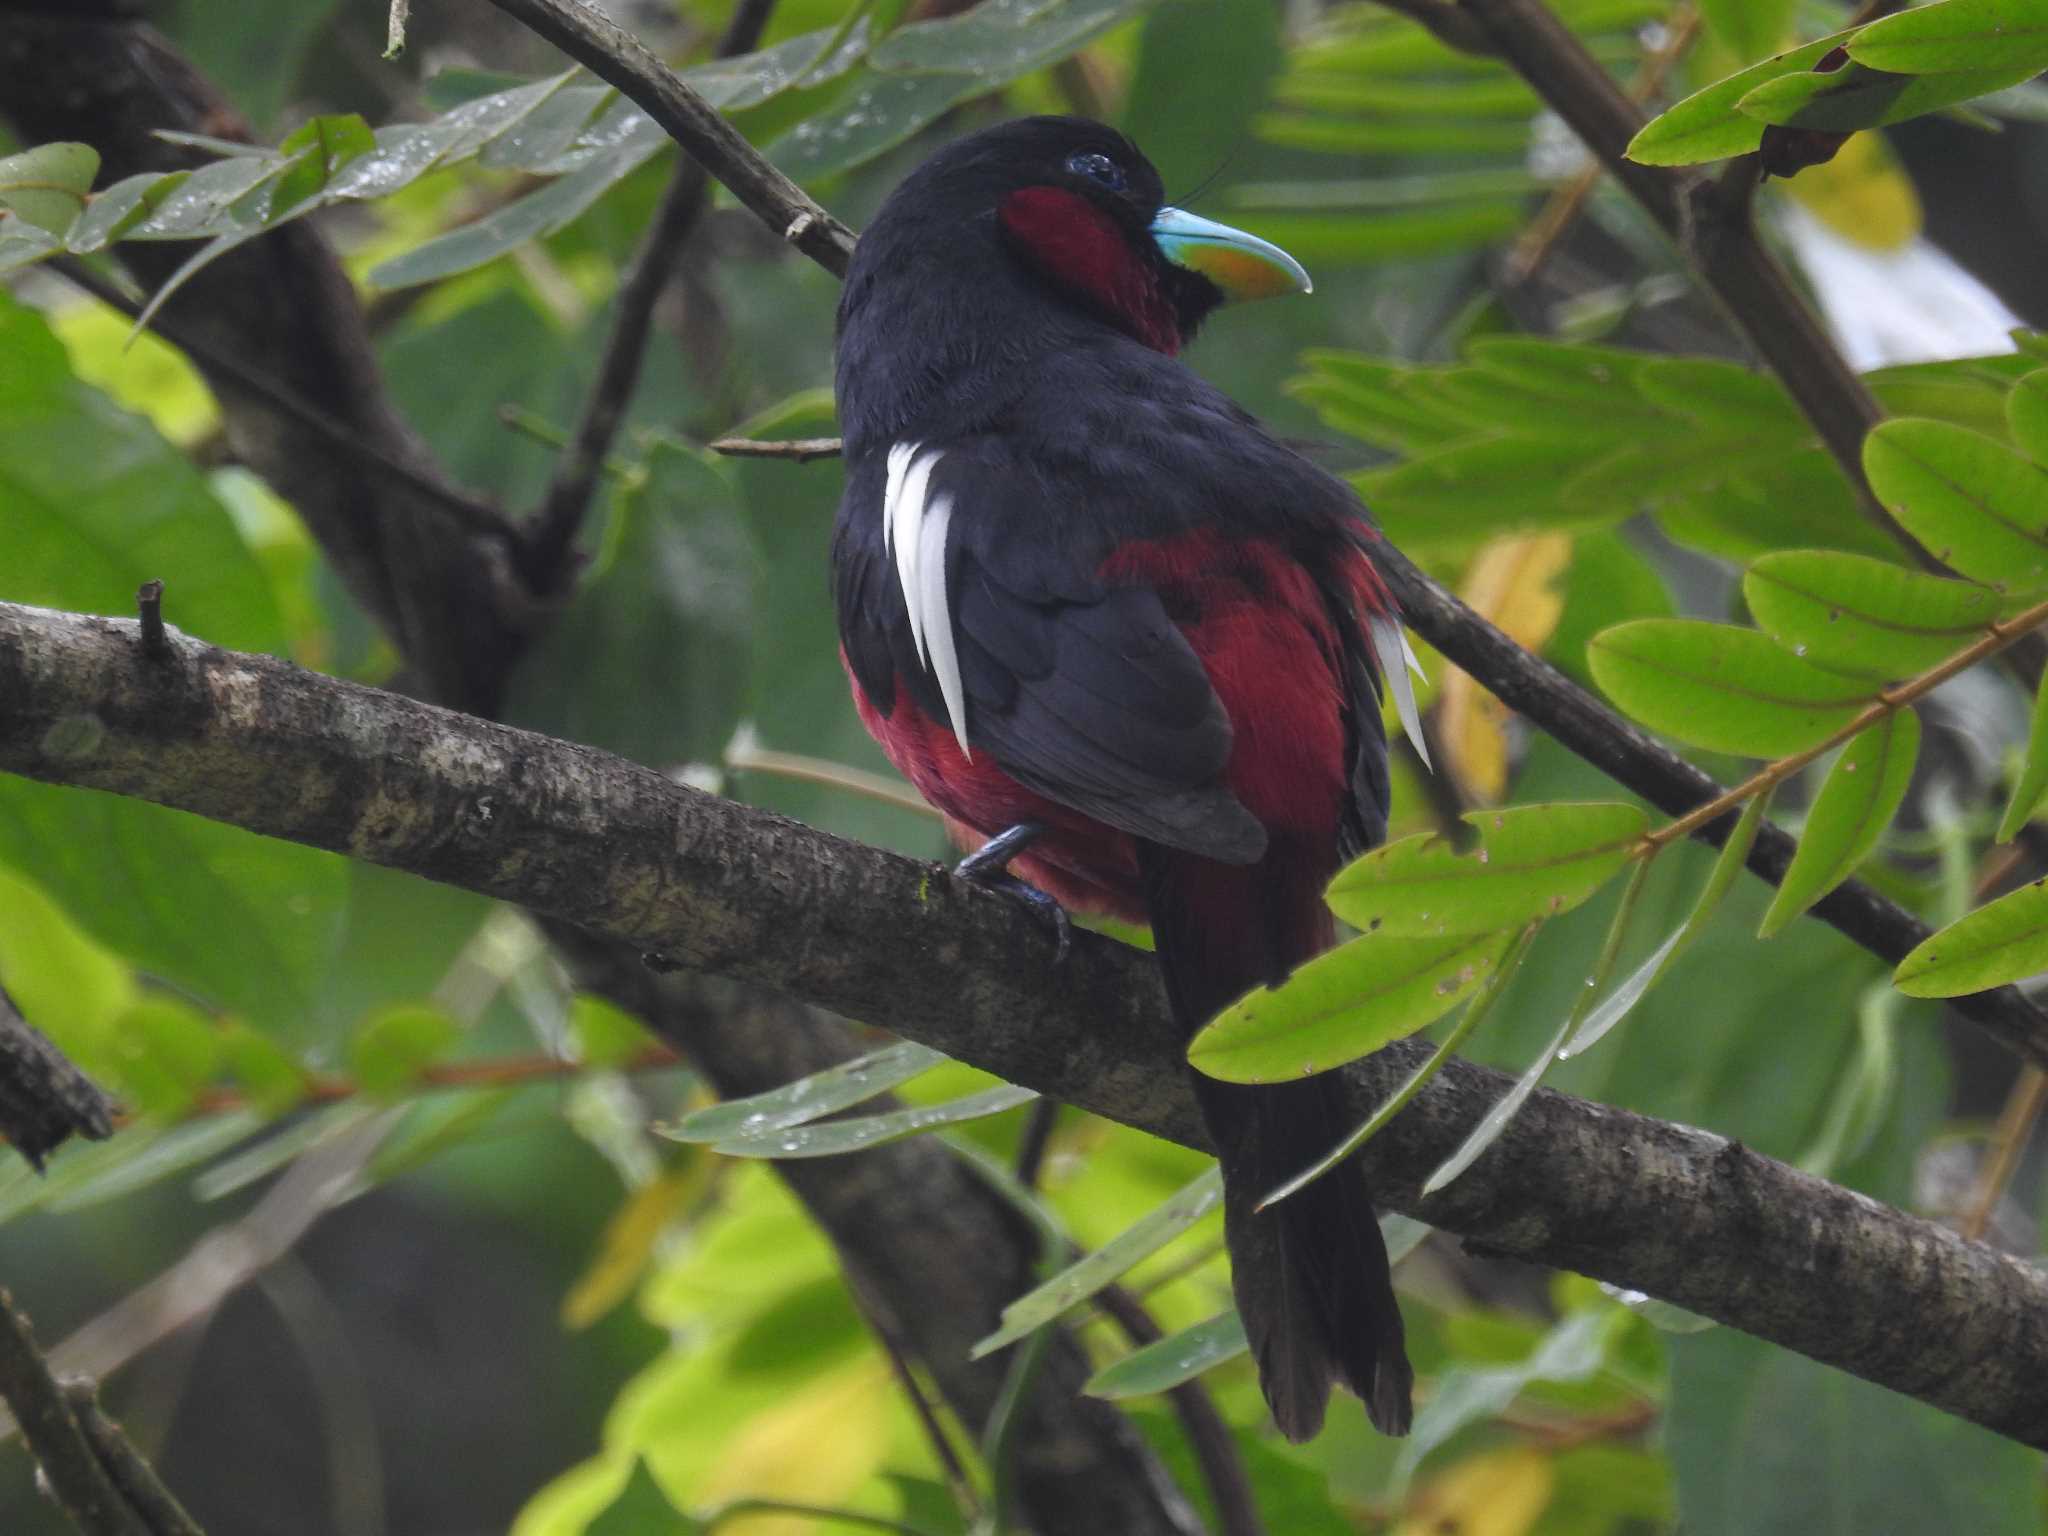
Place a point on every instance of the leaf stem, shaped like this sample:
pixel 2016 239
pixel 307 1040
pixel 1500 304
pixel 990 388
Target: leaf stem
pixel 1889 701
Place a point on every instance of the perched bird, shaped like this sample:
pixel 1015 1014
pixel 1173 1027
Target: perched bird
pixel 1116 631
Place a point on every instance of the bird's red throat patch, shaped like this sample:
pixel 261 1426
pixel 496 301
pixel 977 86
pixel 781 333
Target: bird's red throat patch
pixel 1081 246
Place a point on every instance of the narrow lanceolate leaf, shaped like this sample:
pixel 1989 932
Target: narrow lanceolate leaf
pixel 1343 1005
pixel 2003 942
pixel 1178 1357
pixel 2033 779
pixel 1981 508
pixel 1958 35
pixel 2026 413
pixel 1532 861
pixel 47 185
pixel 1475 1012
pixel 808 1098
pixel 1855 614
pixel 1707 126
pixel 1618 1004
pixel 1856 97
pixel 837 1136
pixel 1854 806
pixel 1722 687
pixel 1107 1264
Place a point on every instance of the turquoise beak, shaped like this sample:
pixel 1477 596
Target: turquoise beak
pixel 1242 265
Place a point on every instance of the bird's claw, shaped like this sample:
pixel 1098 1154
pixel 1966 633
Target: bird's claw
pixel 986 868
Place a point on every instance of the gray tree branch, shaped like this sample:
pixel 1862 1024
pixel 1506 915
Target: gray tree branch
pixel 735 892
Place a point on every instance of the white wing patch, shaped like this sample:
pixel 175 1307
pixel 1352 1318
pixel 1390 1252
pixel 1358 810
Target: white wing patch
pixel 914 529
pixel 1390 644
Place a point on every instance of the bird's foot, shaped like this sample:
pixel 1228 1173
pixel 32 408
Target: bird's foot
pixel 986 867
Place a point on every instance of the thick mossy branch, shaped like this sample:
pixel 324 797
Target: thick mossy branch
pixel 728 890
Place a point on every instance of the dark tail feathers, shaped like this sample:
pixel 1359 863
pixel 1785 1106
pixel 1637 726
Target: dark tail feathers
pixel 1310 1272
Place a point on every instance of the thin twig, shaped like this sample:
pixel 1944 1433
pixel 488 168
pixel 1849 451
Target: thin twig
pixel 76 1478
pixel 551 531
pixel 473 514
pixel 137 1481
pixel 744 757
pixel 801 449
pixel 2015 1124
pixel 1891 700
pixel 617 57
pixel 149 603
pixel 1038 1128
pixel 1562 208
pixel 1209 1437
pixel 896 1350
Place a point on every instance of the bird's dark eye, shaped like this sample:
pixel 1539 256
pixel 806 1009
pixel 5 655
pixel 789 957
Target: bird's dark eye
pixel 1098 168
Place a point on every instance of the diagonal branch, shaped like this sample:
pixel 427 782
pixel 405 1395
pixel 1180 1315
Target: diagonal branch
pixel 615 56
pixel 547 541
pixel 731 891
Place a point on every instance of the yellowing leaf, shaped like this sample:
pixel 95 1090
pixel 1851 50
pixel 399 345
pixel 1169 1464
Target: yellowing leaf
pixel 1511 582
pixel 1862 194
pixel 1501 1493
pixel 629 1240
pixel 814 1446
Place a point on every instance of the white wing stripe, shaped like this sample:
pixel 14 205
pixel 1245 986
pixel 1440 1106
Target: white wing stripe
pixel 899 461
pixel 943 658
pixel 914 533
pixel 1396 656
pixel 908 515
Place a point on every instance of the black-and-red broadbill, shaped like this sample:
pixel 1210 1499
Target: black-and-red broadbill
pixel 1094 610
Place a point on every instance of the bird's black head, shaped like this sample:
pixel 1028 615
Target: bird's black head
pixel 1076 209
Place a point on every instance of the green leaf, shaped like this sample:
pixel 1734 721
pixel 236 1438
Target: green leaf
pixel 1957 35
pixel 169 1051
pixel 48 185
pixel 1166 1363
pixel 1765 1442
pixel 1708 126
pixel 604 1035
pixel 876 113
pixel 554 206
pixel 1532 861
pixel 1978 506
pixel 1203 68
pixel 1855 97
pixel 1856 614
pixel 1574 1350
pixel 2002 942
pixel 23 244
pixel 1107 1264
pixel 1475 1013
pixel 1722 687
pixel 1343 1005
pixel 2027 415
pixel 1619 1003
pixel 335 139
pixel 1856 803
pixel 855 1135
pixel 999 40
pixel 822 1093
pixel 265 1072
pixel 393 1047
pixel 2033 779
pixel 132 1163
pixel 121 208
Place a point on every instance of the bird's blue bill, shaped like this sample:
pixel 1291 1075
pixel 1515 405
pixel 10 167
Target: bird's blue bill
pixel 1242 265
